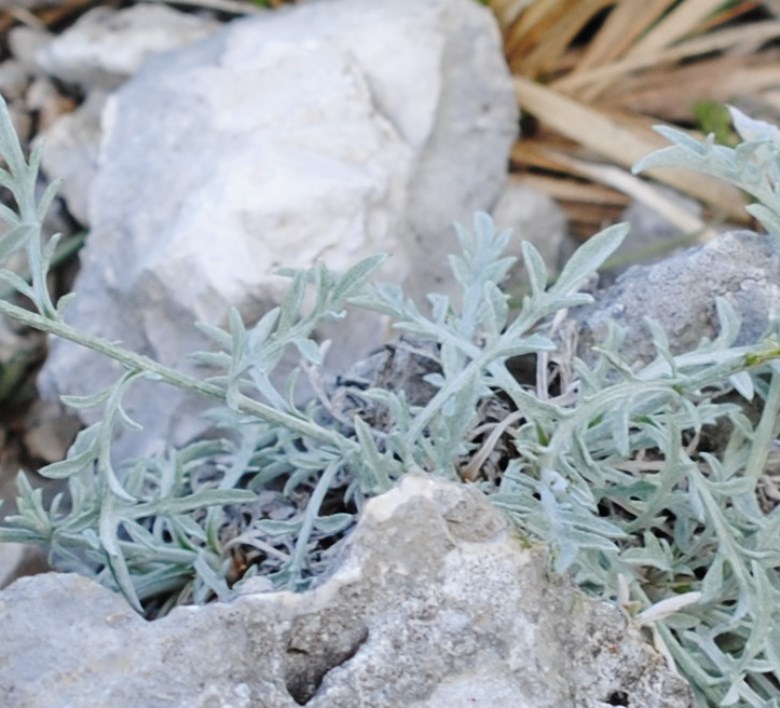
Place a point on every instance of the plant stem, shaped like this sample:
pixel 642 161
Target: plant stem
pixel 65 250
pixel 139 362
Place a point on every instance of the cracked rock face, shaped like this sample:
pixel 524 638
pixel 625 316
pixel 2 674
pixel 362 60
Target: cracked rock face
pixel 105 46
pixel 435 603
pixel 251 150
pixel 680 293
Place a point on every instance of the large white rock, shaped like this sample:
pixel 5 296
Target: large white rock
pixel 437 604
pixel 105 46
pixel 72 146
pixel 330 130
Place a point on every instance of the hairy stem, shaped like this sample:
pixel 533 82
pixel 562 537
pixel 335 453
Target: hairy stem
pixel 139 362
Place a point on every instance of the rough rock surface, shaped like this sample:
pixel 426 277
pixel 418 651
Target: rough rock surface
pixel 652 236
pixel 436 603
pixel 679 293
pixel 389 121
pixel 105 46
pixel 72 145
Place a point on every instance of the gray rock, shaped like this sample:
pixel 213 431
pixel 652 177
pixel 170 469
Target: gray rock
pixel 11 555
pixel 21 120
pixel 44 100
pixel 106 46
pixel 72 145
pixel 679 293
pixel 25 43
pixel 252 150
pixel 436 604
pixel 13 80
pixel 651 236
pixel 13 86
pixel 19 560
pixel 464 143
pixel 535 217
pixel 49 430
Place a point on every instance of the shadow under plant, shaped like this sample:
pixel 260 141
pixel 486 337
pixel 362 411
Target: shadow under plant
pixel 612 465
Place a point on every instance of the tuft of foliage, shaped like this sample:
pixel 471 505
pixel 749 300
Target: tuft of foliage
pixel 603 462
pixel 752 165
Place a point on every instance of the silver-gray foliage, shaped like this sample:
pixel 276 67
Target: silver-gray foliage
pixel 605 463
pixel 752 166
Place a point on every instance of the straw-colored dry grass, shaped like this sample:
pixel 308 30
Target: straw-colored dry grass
pixel 592 77
pixel 595 75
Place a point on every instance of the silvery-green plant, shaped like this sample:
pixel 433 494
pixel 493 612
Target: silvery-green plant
pixel 752 165
pixel 606 466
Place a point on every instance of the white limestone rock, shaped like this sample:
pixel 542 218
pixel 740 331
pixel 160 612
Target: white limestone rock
pixel 25 44
pixel 106 46
pixel 436 604
pixel 72 146
pixel 13 80
pixel 329 131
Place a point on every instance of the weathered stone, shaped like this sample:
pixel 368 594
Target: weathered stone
pixel 534 217
pixel 436 603
pixel 25 43
pixel 71 153
pixel 18 560
pixel 49 430
pixel 21 120
pixel 106 46
pixel 651 236
pixel 46 102
pixel 388 122
pixel 13 80
pixel 10 556
pixel 680 292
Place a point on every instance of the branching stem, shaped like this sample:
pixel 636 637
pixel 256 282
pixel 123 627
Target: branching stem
pixel 138 362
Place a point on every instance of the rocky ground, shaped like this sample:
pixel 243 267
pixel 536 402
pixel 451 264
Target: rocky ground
pixel 157 120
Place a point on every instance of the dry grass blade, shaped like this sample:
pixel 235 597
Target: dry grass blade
pixel 682 20
pixel 640 190
pixel 620 143
pixel 46 16
pixel 507 11
pixel 571 191
pixel 529 30
pixel 629 20
pixel 672 97
pixel 546 55
pixel 589 206
pixel 728 14
pixel 742 40
pixel 600 73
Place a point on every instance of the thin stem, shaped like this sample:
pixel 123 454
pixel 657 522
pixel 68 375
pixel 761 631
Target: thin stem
pixel 65 250
pixel 738 360
pixel 765 430
pixel 312 510
pixel 139 362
